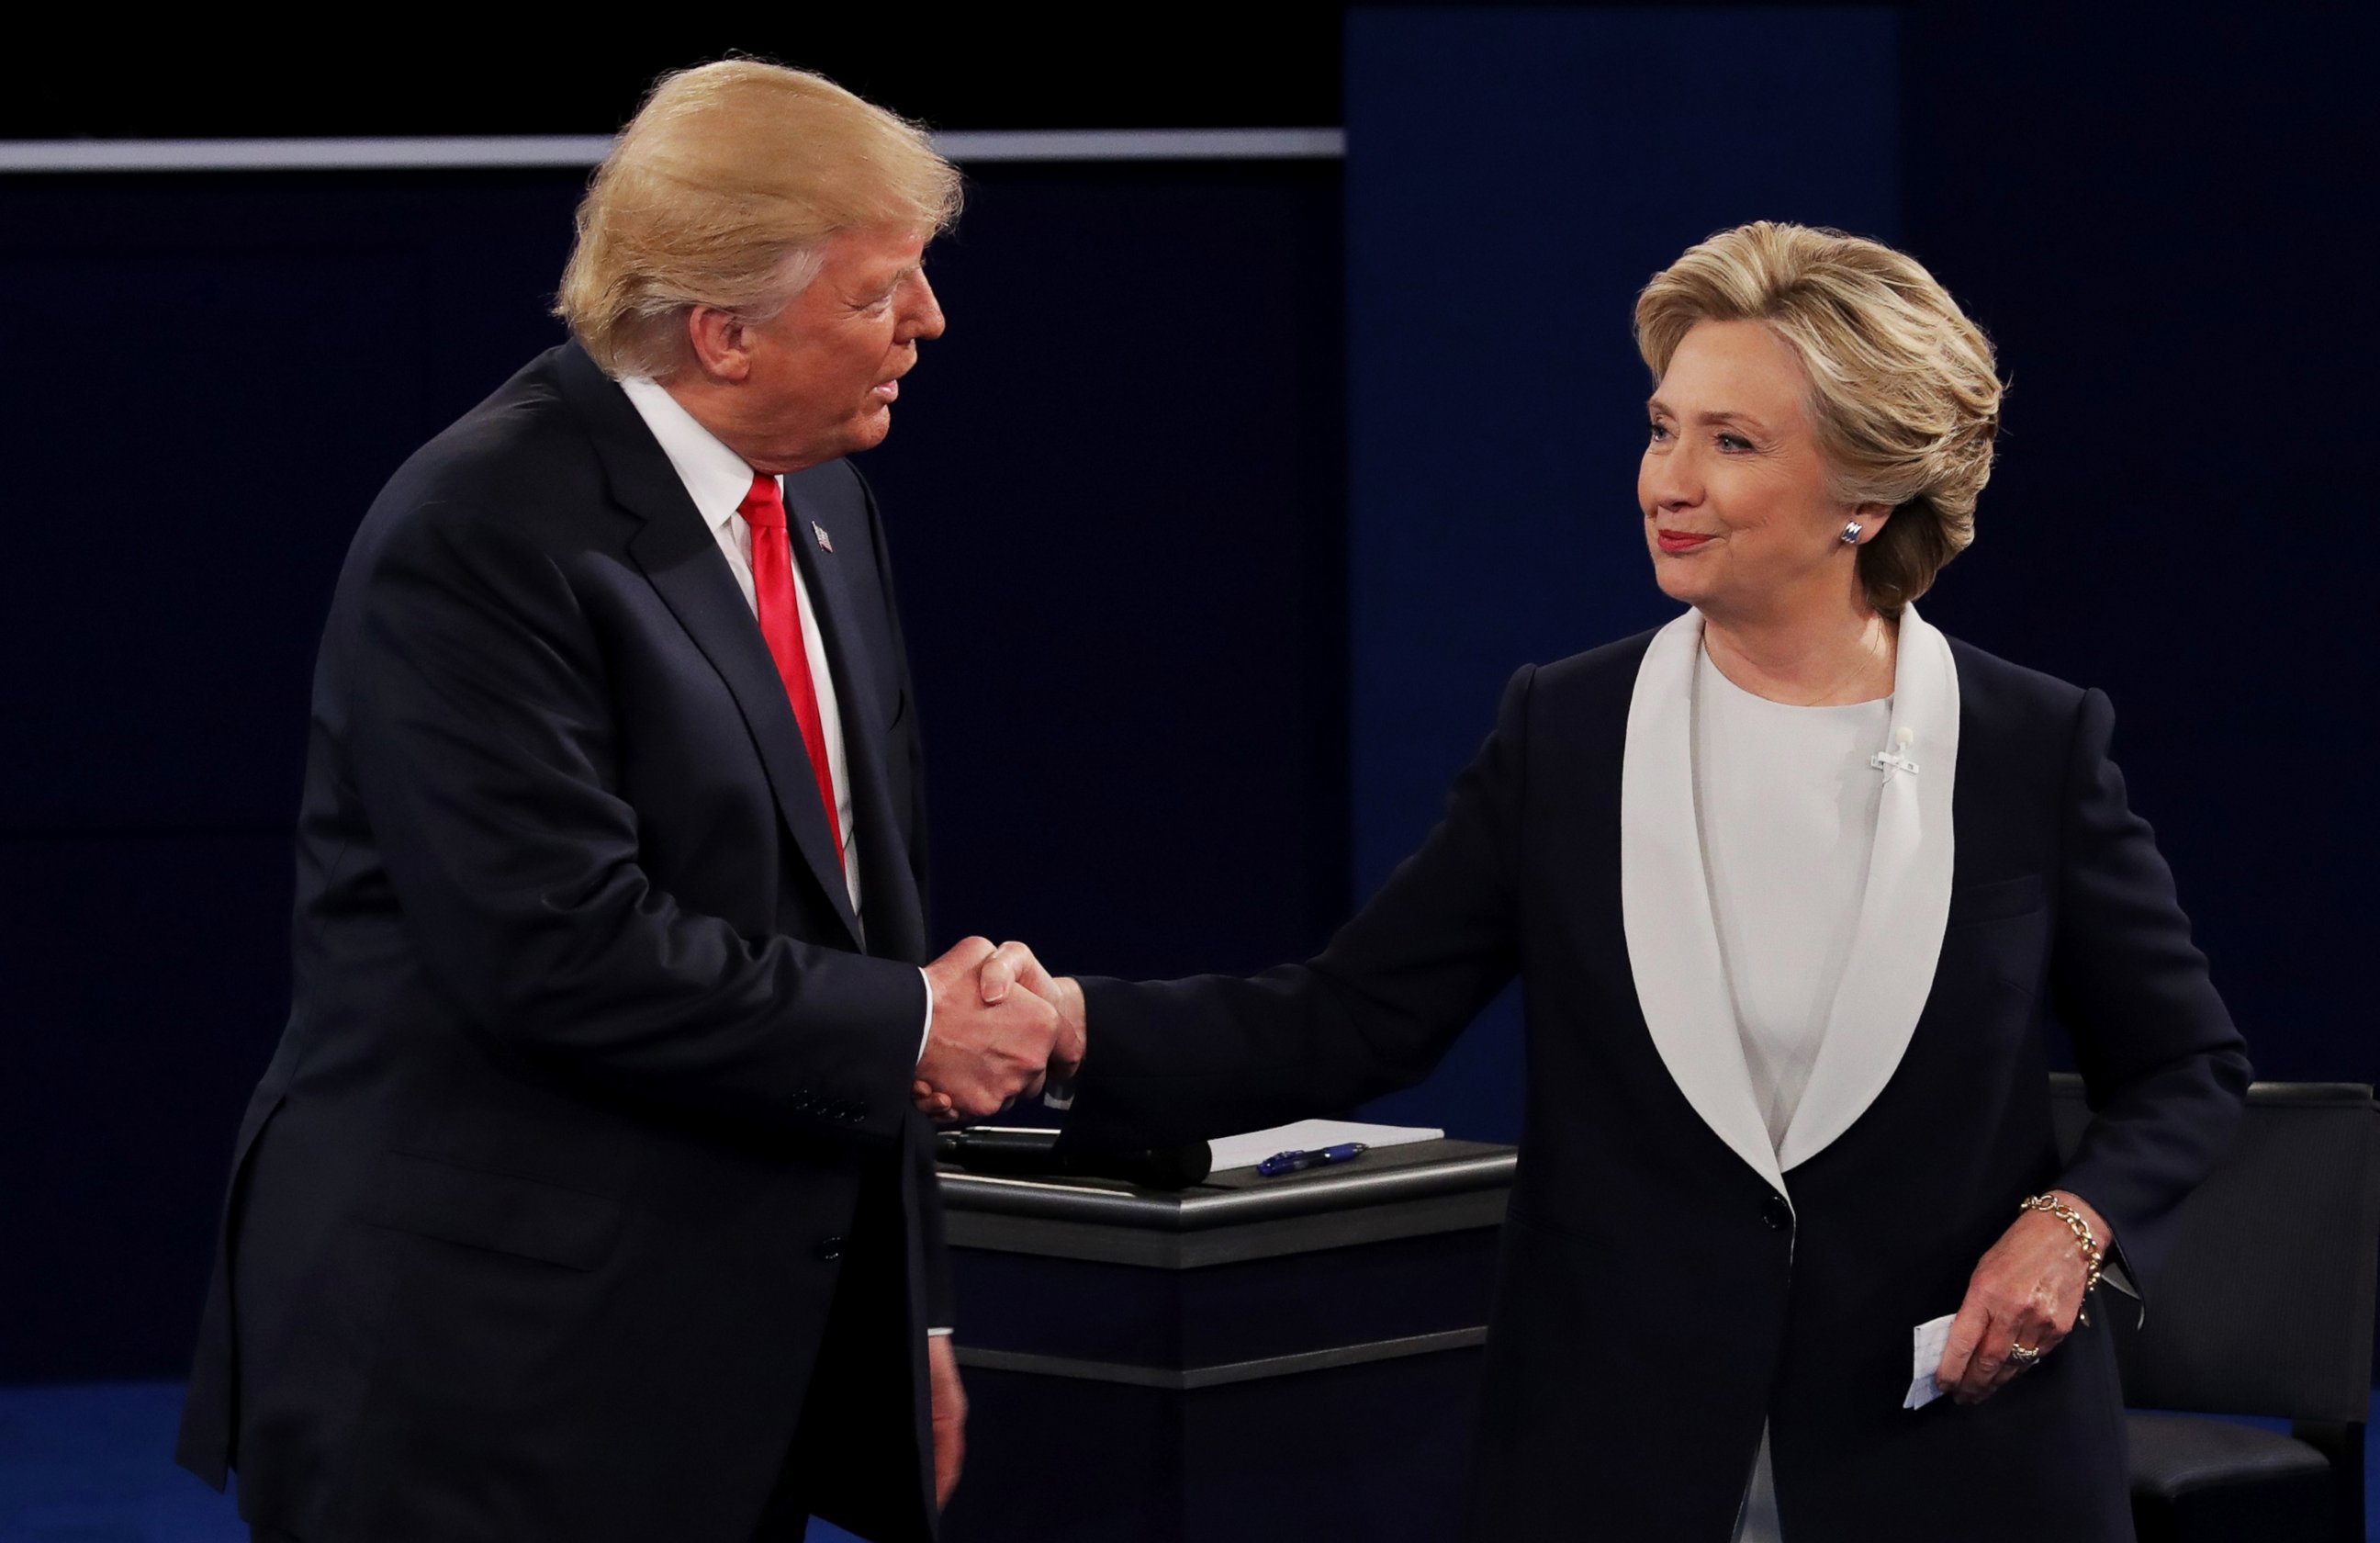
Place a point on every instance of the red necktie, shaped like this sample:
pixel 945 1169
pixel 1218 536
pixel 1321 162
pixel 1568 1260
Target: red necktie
pixel 780 627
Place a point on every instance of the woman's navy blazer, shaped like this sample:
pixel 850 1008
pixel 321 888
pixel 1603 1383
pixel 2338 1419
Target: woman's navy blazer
pixel 1669 1281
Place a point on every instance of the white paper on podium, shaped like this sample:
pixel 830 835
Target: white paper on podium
pixel 1246 1151
pixel 1925 1358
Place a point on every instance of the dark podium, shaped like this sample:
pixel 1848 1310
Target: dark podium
pixel 1248 1360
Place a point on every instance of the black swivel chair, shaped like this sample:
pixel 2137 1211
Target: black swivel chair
pixel 2264 1308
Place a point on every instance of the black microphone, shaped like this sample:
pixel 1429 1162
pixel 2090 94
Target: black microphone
pixel 1033 1154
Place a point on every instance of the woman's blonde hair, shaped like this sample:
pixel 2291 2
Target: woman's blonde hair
pixel 723 192
pixel 1903 395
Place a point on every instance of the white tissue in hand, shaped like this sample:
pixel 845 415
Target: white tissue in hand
pixel 1925 1358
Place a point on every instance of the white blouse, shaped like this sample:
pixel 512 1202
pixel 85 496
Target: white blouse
pixel 1786 803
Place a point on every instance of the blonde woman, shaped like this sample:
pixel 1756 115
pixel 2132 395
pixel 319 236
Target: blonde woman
pixel 1792 885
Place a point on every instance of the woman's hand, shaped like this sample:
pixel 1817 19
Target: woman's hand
pixel 2027 1291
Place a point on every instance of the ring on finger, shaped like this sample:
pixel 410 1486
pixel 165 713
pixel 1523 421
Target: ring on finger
pixel 2021 1355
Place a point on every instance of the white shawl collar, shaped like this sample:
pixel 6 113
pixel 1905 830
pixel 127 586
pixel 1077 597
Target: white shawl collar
pixel 1673 942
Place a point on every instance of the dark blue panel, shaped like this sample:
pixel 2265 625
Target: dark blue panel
pixel 217 376
pixel 1115 489
pixel 146 979
pixel 1514 177
pixel 2170 231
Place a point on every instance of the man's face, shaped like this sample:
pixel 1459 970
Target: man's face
pixel 825 370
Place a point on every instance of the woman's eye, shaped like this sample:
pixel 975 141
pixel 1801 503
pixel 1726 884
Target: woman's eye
pixel 1658 433
pixel 1734 442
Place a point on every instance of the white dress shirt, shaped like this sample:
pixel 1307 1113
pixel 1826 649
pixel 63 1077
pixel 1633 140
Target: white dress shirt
pixel 717 479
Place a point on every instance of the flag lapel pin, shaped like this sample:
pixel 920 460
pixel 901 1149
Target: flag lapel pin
pixel 826 542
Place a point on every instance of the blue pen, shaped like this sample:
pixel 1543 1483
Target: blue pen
pixel 1278 1163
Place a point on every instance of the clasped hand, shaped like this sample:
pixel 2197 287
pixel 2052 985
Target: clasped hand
pixel 1002 1028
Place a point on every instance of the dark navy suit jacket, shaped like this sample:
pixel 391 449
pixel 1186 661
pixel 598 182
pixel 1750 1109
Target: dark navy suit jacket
pixel 586 1156
pixel 1658 1297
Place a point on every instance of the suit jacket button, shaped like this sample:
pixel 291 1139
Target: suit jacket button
pixel 829 1248
pixel 1776 1212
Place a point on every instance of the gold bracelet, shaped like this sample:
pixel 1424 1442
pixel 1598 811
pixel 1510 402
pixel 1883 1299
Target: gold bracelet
pixel 2093 1255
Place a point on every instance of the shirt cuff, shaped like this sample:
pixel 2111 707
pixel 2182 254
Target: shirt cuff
pixel 928 1032
pixel 938 1333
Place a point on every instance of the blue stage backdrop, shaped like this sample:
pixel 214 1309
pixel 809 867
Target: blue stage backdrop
pixel 2167 230
pixel 1186 667
pixel 2162 217
pixel 1514 177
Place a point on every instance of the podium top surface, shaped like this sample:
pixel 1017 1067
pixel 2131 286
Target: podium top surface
pixel 1236 1196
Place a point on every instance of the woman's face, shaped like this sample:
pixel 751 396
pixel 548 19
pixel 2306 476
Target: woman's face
pixel 1737 515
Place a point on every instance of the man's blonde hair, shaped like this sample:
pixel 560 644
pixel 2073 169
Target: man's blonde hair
pixel 723 192
pixel 1903 394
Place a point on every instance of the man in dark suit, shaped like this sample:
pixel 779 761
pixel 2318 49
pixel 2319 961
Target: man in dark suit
pixel 583 1200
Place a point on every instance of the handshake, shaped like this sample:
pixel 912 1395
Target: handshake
pixel 1002 1027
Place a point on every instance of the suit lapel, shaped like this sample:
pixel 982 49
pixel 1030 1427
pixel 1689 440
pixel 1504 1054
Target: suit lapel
pixel 1673 938
pixel 1888 973
pixel 682 561
pixel 1666 908
pixel 884 877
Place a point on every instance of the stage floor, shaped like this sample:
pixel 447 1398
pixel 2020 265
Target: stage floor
pixel 92 1463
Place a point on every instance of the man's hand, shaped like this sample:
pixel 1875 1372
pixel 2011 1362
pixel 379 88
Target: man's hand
pixel 950 1416
pixel 2027 1291
pixel 982 1053
pixel 1011 965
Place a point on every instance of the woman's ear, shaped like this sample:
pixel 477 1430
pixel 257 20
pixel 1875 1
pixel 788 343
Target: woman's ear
pixel 1870 518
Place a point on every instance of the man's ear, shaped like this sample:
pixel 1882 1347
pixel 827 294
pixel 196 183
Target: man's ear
pixel 720 342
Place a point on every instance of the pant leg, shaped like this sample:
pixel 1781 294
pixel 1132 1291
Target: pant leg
pixel 856 1450
pixel 1756 1523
